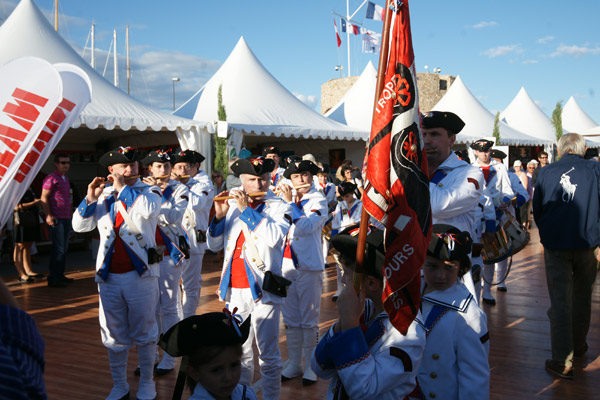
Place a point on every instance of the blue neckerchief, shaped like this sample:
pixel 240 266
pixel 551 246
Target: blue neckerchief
pixel 490 175
pixel 437 177
pixel 326 190
pixel 276 179
pixel 351 210
pixel 434 316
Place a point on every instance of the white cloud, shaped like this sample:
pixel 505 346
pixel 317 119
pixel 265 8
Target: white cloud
pixel 502 50
pixel 545 39
pixel 574 50
pixel 483 24
pixel 530 62
pixel 311 101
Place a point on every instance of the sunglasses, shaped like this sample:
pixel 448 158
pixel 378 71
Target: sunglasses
pixel 64 162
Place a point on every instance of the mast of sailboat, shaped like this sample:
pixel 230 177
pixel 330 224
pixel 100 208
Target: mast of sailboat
pixel 115 62
pixel 56 15
pixel 128 72
pixel 93 36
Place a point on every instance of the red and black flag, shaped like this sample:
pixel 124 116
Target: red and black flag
pixel 397 184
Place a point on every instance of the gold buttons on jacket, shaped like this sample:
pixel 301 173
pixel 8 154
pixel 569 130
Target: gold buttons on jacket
pixel 131 243
pixel 432 395
pixel 433 375
pixel 253 260
pixel 435 356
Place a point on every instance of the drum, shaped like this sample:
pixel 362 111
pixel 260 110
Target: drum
pixel 327 231
pixel 497 248
pixel 518 236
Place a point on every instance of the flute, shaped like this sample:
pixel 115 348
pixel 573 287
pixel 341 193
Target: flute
pixel 127 178
pixel 295 187
pixel 257 194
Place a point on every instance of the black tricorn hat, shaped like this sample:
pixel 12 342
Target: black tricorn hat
pixel 160 156
pixel 482 145
pixel 346 187
pixel 254 165
pixel 297 167
pixel 346 241
pixel 448 243
pixel 463 155
pixel 210 329
pixel 271 150
pixel 498 154
pixel 120 155
pixel 190 156
pixel 443 119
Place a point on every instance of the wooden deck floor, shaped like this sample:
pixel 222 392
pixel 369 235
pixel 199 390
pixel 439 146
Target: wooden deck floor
pixel 77 363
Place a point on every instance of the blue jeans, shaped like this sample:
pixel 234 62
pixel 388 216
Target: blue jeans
pixel 59 234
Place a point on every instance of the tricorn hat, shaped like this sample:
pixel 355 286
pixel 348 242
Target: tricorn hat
pixel 346 241
pixel 346 187
pixel 271 150
pixel 189 156
pixel 482 145
pixel 498 154
pixel 210 329
pixel 254 165
pixel 120 155
pixel 463 155
pixel 297 167
pixel 448 243
pixel 161 156
pixel 442 119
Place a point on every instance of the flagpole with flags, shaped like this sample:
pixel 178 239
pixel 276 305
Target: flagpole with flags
pixel 396 173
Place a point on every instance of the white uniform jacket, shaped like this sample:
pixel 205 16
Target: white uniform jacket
pixel 269 225
pixel 175 200
pixel 143 206
pixel 345 216
pixel 329 192
pixel 196 214
pixel 377 364
pixel 455 363
pixel 455 190
pixel 304 236
pixel 497 191
pixel 240 392
pixel 278 179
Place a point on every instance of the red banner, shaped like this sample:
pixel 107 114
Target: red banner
pixel 397 184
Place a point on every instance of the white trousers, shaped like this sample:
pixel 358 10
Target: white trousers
pixel 127 310
pixel 191 283
pixel 264 331
pixel 302 304
pixel 169 311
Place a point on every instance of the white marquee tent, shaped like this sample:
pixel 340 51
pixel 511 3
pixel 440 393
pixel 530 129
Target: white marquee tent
pixel 257 104
pixel 355 109
pixel 27 33
pixel 574 119
pixel 479 122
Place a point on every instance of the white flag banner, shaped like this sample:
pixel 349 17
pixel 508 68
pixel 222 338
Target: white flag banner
pixel 30 90
pixel 76 95
pixel 371 41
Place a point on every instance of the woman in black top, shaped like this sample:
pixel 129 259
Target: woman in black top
pixel 26 231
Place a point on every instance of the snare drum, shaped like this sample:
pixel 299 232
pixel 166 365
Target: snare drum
pixel 518 236
pixel 497 249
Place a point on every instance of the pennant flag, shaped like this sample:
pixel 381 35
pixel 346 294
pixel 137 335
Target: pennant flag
pixel 76 95
pixel 355 29
pixel 374 11
pixel 343 24
pixel 337 35
pixel 396 183
pixel 371 41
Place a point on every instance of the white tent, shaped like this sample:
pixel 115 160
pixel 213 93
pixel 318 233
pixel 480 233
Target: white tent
pixel 355 109
pixel 524 115
pixel 574 119
pixel 257 104
pixel 27 33
pixel 479 122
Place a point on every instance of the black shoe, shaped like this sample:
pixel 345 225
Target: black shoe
pixel 126 397
pixel 28 280
pixel 580 353
pixel 58 284
pixel 559 369
pixel 491 302
pixel 501 289
pixel 307 382
pixel 66 280
pixel 162 371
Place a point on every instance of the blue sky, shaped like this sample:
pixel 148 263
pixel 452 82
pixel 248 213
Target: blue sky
pixel 551 48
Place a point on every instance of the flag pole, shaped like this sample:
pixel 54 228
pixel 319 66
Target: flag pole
pixel 364 220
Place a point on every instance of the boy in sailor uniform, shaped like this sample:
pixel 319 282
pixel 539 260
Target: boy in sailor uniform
pixel 328 190
pixel 126 214
pixel 251 228
pixel 522 197
pixel 497 195
pixel 302 304
pixel 455 186
pixel 195 224
pixel 347 213
pixel 455 363
pixel 362 353
pixel 277 177
pixel 169 233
